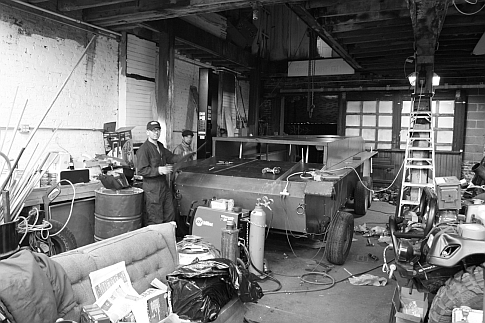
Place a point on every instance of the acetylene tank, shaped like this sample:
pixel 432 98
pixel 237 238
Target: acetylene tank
pixel 256 239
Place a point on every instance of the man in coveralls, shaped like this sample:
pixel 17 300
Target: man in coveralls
pixel 185 147
pixel 152 163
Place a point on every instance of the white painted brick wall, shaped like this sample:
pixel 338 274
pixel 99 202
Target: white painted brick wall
pixel 36 56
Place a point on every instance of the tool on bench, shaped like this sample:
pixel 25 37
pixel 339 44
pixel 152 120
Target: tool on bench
pixel 274 170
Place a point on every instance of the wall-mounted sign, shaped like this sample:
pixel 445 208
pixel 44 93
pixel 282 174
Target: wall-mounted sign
pixel 329 66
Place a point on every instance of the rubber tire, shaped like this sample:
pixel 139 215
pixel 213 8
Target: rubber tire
pixel 62 242
pixel 340 234
pixel 361 199
pixel 370 184
pixel 465 288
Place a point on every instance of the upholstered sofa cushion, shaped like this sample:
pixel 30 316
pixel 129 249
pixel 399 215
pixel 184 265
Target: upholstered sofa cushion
pixel 148 253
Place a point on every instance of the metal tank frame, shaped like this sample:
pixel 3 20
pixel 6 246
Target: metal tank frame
pixel 235 172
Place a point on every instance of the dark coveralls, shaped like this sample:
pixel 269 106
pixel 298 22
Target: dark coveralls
pixel 158 197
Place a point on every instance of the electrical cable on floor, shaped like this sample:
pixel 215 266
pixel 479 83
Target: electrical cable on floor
pixel 333 283
pixel 265 275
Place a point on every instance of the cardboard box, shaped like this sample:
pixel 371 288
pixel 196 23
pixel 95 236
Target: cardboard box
pixel 404 297
pixel 474 316
pixel 93 314
pixel 152 307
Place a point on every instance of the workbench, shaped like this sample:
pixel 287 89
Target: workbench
pixel 81 222
pixel 83 190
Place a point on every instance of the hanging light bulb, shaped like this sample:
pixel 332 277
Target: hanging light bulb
pixel 255 7
pixel 412 78
pixel 436 79
pixel 255 14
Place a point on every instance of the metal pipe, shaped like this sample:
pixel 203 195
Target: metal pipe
pixel 6 206
pixel 380 88
pixel 14 134
pixel 9 118
pixel 66 17
pixel 53 129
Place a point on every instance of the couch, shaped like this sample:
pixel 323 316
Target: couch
pixel 149 253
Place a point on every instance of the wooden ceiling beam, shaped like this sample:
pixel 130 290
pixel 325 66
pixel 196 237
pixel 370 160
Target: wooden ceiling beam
pixel 374 16
pixel 378 40
pixel 375 32
pixel 356 7
pixel 366 25
pixel 149 10
pixel 427 19
pixel 197 38
pixel 73 5
pixel 311 22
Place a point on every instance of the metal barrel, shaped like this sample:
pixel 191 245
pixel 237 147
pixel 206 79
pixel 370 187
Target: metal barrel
pixel 117 212
pixel 9 238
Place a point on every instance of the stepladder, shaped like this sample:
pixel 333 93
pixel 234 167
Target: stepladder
pixel 419 158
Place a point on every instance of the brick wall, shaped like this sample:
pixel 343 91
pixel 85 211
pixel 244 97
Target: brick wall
pixel 475 132
pixel 37 55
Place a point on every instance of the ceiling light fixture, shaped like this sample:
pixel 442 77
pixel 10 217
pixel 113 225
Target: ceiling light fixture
pixel 413 76
pixel 255 7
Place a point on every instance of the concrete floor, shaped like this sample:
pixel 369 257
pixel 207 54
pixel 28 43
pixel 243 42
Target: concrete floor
pixel 343 302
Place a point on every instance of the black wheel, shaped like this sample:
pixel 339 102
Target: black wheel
pixel 465 288
pixel 370 185
pixel 361 199
pixel 339 239
pixel 62 242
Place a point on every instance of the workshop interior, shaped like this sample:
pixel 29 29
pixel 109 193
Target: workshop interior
pixel 242 161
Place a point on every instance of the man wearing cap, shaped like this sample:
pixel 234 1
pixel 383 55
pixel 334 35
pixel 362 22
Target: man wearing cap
pixel 152 163
pixel 185 147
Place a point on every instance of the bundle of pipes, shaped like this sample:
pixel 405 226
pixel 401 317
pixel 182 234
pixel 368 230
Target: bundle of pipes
pixel 14 188
pixel 19 187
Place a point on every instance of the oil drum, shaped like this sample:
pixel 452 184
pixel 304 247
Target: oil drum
pixel 9 239
pixel 117 212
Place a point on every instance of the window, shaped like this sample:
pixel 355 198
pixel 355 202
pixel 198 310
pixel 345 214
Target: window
pixel 372 120
pixel 443 123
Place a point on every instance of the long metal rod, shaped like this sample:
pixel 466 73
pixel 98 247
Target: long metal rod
pixel 223 169
pixel 66 17
pixel 9 118
pixel 6 206
pixel 14 134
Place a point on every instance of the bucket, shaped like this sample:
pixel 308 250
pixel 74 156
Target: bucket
pixel 9 238
pixel 117 212
pixel 475 211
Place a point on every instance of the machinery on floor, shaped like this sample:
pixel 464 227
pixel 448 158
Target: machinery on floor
pixel 309 178
pixel 441 248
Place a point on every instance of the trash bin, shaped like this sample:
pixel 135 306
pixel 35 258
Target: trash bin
pixel 117 212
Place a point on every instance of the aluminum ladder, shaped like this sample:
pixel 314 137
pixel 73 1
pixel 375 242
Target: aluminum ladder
pixel 419 157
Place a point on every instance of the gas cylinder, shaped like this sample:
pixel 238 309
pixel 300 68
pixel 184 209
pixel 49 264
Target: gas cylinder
pixel 229 239
pixel 256 238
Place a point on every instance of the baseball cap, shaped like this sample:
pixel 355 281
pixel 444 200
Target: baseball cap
pixel 153 125
pixel 186 133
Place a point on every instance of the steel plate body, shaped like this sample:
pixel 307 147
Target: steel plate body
pixel 309 203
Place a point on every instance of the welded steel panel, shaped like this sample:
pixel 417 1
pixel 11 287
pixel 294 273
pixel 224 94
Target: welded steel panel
pixel 305 208
pixel 245 183
pixel 336 148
